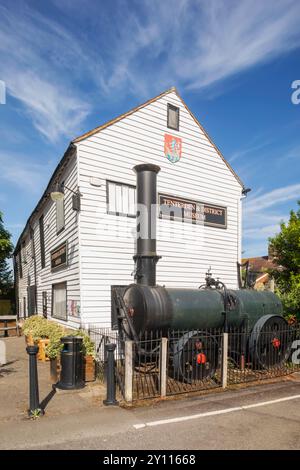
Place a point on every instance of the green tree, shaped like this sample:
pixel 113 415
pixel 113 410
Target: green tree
pixel 286 249
pixel 6 249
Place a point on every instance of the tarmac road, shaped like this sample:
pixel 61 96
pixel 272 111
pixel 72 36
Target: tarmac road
pixel 215 421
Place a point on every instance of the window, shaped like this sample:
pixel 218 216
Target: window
pixel 23 253
pixel 24 307
pixel 31 299
pixel 20 264
pixel 42 241
pixel 59 301
pixel 32 242
pixel 60 216
pixel 173 117
pixel 44 299
pixel 121 199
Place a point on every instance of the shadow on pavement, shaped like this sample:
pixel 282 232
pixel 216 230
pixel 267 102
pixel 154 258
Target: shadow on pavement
pixel 48 398
pixel 5 371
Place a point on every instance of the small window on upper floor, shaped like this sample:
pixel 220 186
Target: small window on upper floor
pixel 42 242
pixel 19 264
pixel 60 215
pixel 173 117
pixel 121 199
pixel 23 253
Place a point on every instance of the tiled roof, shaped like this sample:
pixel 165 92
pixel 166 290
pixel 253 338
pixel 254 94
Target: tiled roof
pixel 260 263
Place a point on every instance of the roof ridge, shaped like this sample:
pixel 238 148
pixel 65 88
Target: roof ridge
pixel 123 115
pixel 143 105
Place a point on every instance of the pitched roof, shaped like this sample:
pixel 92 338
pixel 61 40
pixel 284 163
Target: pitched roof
pixel 262 279
pixel 260 263
pixel 71 149
pixel 143 105
pixel 69 153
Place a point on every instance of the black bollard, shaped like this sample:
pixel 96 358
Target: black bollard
pixel 110 376
pixel 34 401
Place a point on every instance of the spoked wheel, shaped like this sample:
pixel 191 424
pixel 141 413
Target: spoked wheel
pixel 195 357
pixel 147 354
pixel 270 342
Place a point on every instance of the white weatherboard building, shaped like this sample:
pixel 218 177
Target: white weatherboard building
pixel 72 250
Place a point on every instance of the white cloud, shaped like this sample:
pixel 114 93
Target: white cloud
pixel 249 151
pixel 272 198
pixel 262 215
pixel 36 58
pixel 237 35
pixel 53 110
pixel 292 153
pixel 28 176
pixel 198 43
pixel 60 70
pixel 263 232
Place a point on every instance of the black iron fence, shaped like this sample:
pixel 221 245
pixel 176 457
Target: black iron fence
pixel 173 362
pixel 194 360
pixel 146 366
pixel 101 337
pixel 263 353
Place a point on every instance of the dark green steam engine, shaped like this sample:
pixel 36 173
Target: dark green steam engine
pixel 145 307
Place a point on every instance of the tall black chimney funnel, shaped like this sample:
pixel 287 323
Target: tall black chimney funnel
pixel 146 257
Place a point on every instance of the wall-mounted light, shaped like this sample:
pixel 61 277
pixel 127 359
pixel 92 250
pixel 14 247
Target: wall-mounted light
pixel 246 191
pixel 58 194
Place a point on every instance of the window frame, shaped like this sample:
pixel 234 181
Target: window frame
pixel 23 252
pixel 173 108
pixel 45 303
pixel 59 230
pixel 42 242
pixel 24 307
pixel 52 301
pixel 20 267
pixel 118 183
pixel 32 247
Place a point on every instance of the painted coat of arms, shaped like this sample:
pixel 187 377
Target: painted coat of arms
pixel 173 148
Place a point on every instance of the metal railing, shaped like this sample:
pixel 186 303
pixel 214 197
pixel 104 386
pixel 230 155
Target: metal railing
pixel 101 337
pixel 194 360
pixel 179 361
pixel 146 366
pixel 262 354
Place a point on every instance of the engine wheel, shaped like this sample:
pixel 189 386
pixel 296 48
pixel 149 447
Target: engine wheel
pixel 270 342
pixel 195 357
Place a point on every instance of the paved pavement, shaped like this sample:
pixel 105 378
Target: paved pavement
pixel 14 387
pixel 223 421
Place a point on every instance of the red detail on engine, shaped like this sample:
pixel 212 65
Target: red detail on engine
pixel 276 342
pixel 201 358
pixel 131 312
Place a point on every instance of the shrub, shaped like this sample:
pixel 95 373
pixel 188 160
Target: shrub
pixel 55 333
pixel 87 343
pixel 36 326
pixel 39 327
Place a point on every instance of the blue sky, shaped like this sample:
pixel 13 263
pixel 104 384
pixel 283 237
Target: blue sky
pixel 70 65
